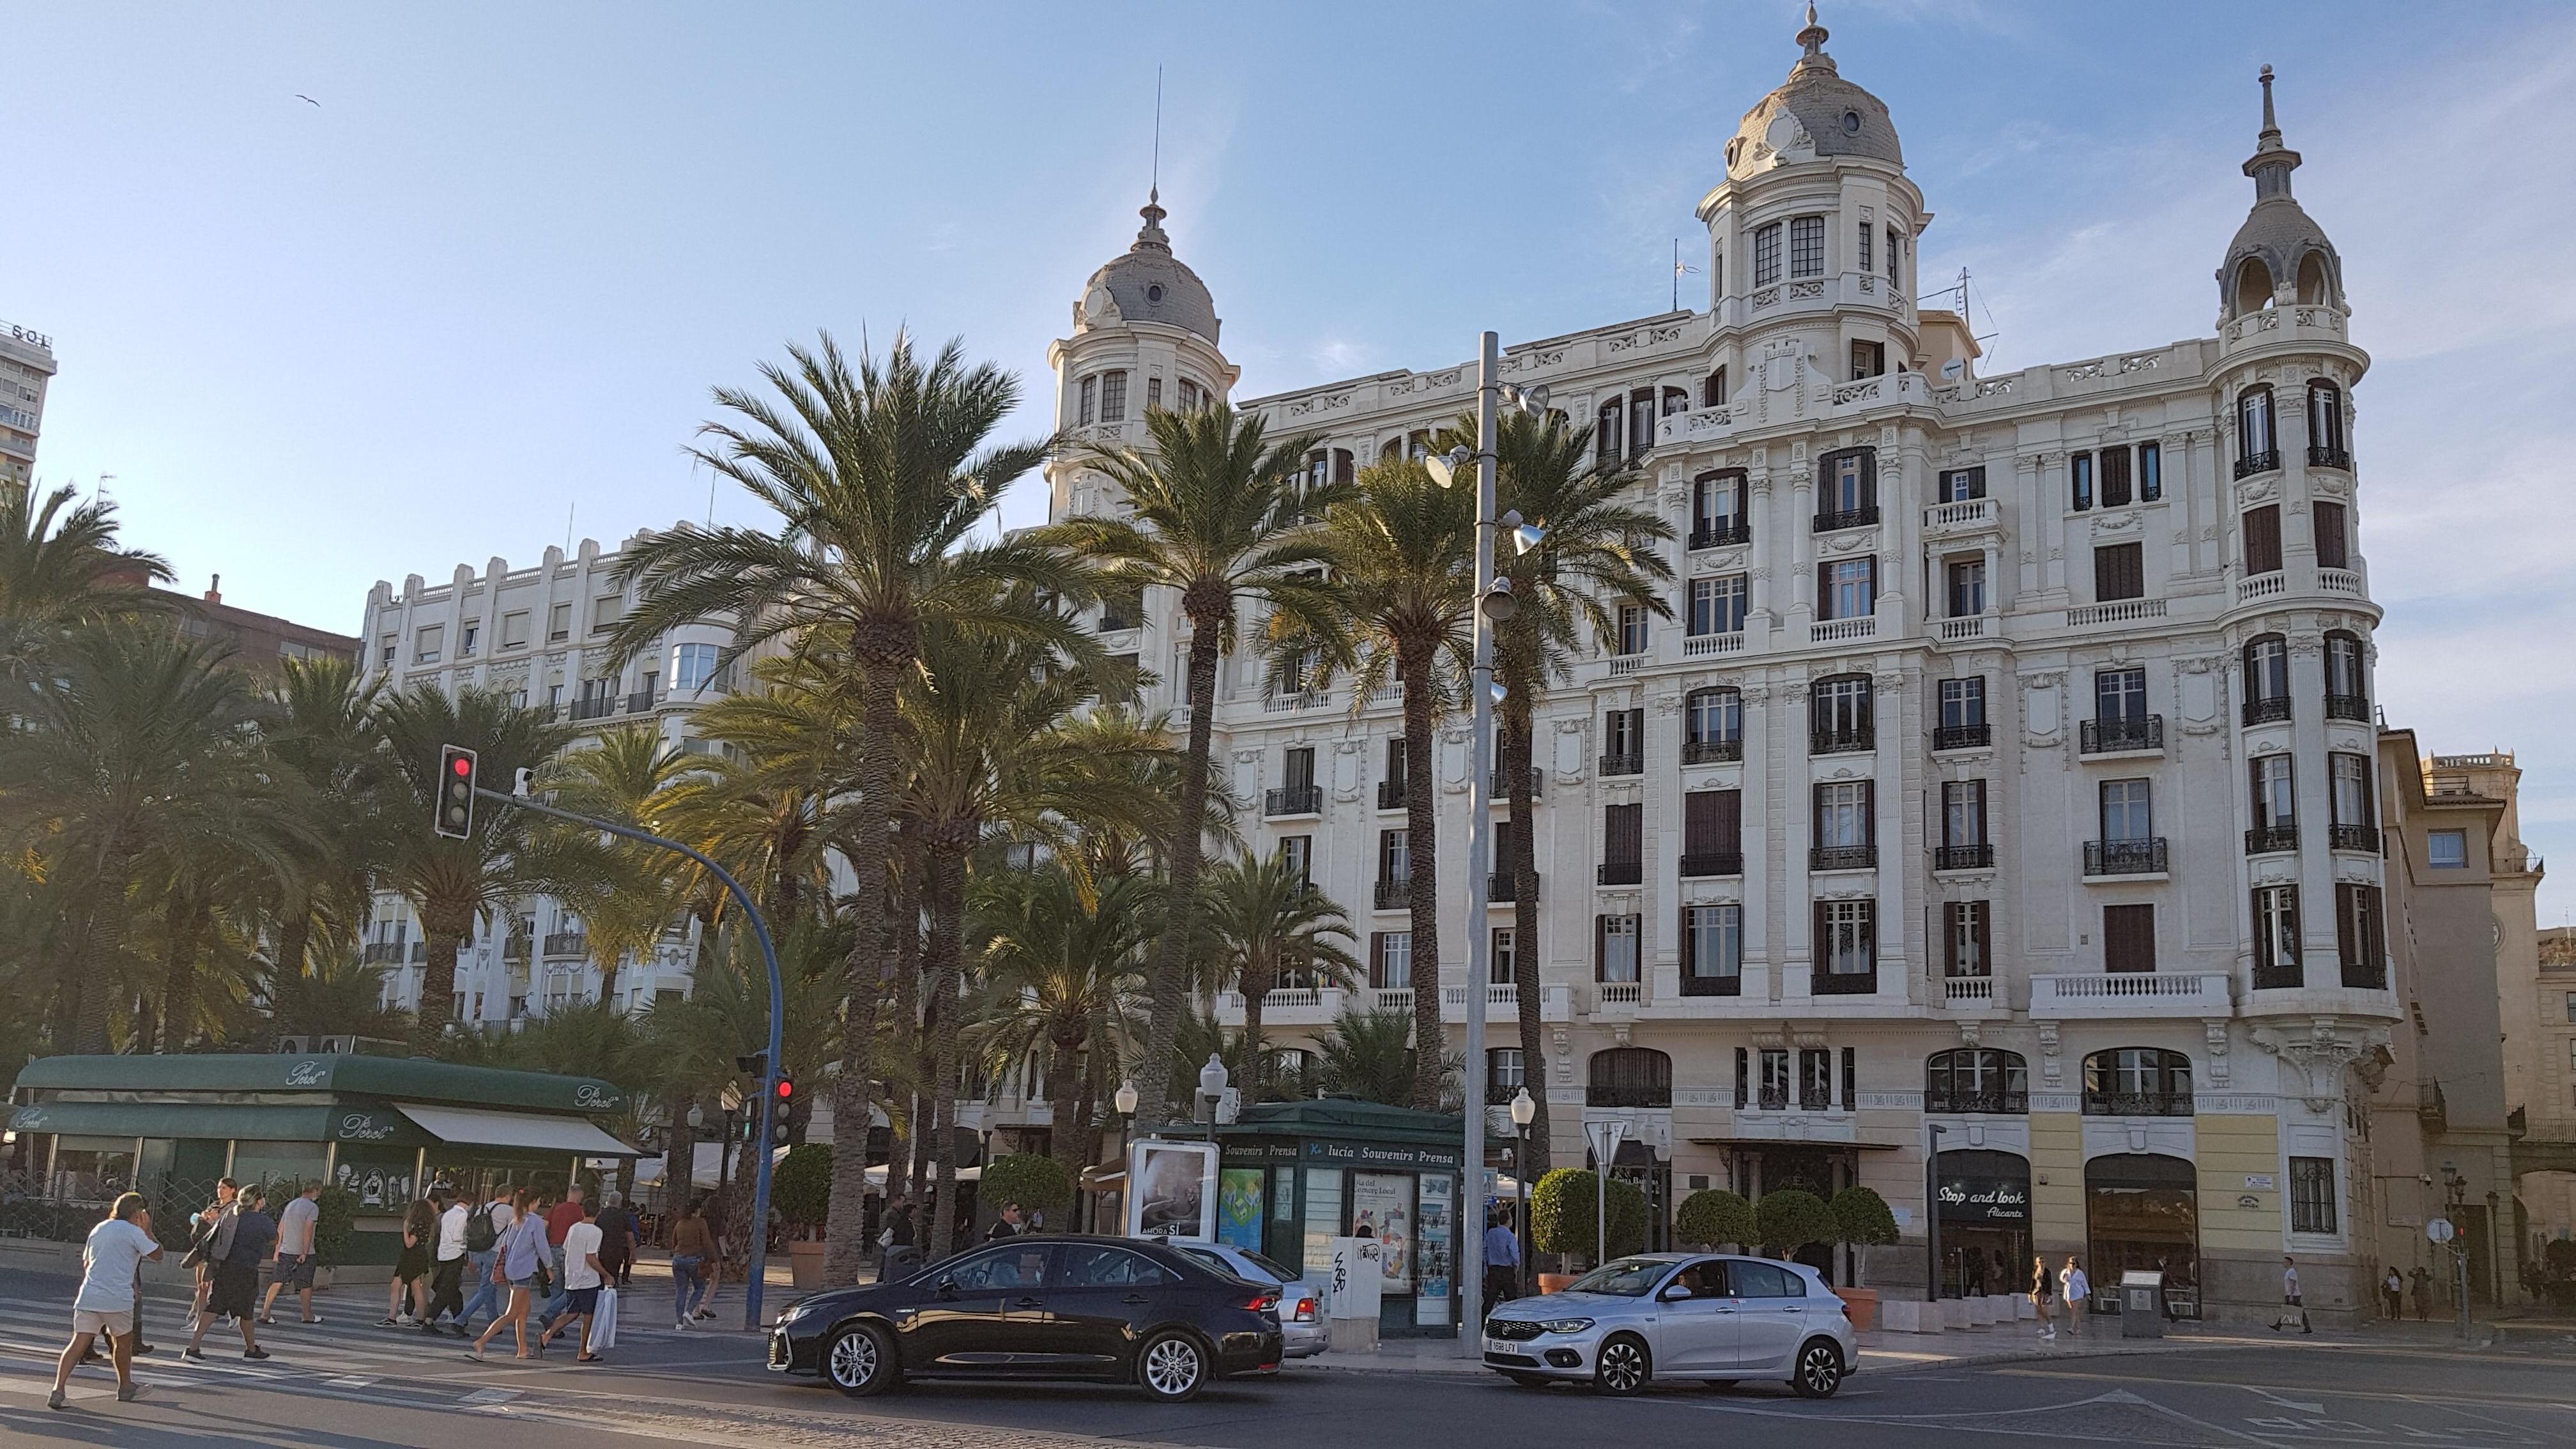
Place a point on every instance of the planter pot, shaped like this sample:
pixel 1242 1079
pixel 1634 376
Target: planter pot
pixel 1556 1282
pixel 806 1261
pixel 1860 1305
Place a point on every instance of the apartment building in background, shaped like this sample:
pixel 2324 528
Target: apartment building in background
pixel 2001 777
pixel 26 371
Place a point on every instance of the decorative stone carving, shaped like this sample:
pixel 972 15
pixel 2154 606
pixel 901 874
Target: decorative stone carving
pixel 2321 1052
pixel 2214 1037
pixel 2052 1066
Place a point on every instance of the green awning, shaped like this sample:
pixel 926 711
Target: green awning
pixel 415 1079
pixel 217 1121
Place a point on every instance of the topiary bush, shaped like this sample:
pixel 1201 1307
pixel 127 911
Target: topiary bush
pixel 1790 1219
pixel 801 1185
pixel 1713 1216
pixel 1861 1218
pixel 337 1225
pixel 1037 1184
pixel 1564 1212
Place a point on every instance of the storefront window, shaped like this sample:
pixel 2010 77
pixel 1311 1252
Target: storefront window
pixel 2142 1211
pixel 1382 1203
pixel 1985 1222
pixel 1323 1218
pixel 92 1169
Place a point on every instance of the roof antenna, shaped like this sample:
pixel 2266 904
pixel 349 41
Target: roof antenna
pixel 1155 191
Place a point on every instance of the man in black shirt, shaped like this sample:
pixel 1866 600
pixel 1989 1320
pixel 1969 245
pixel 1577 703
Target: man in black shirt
pixel 1007 1225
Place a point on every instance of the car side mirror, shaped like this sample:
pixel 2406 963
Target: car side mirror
pixel 947 1286
pixel 1675 1294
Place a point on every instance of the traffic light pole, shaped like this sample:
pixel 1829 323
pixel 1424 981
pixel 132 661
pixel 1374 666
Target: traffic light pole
pixel 753 1279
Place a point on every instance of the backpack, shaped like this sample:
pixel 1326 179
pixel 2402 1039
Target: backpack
pixel 480 1235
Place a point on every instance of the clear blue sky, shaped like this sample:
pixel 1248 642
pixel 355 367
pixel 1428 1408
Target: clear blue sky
pixel 491 277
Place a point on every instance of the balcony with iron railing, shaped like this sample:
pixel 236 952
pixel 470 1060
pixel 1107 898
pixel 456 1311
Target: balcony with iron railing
pixel 1712 752
pixel 1834 519
pixel 2366 975
pixel 1842 741
pixel 1622 872
pixel 382 953
pixel 2137 1104
pixel 567 943
pixel 516 946
pixel 1502 886
pixel 1292 800
pixel 2361 838
pixel 2277 975
pixel 2249 464
pixel 1700 864
pixel 2121 736
pixel 1728 985
pixel 2274 709
pixel 1631 763
pixel 1963 737
pixel 2125 857
pixel 1824 982
pixel 2352 707
pixel 2271 839
pixel 419 952
pixel 1765 1099
pixel 1394 895
pixel 1842 857
pixel 1390 794
pixel 2327 457
pixel 1994 1101
pixel 1500 784
pixel 641 701
pixel 1721 533
pixel 1964 857
pixel 599 706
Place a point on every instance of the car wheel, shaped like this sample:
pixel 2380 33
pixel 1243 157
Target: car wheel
pixel 1529 1381
pixel 1717 1383
pixel 1172 1367
pixel 1622 1366
pixel 1820 1371
pixel 859 1363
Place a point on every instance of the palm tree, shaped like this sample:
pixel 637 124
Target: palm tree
pixel 1369 1055
pixel 510 853
pixel 1404 555
pixel 769 807
pixel 1218 518
pixel 1599 548
pixel 1270 926
pixel 136 750
pixel 335 993
pixel 1061 964
pixel 60 570
pixel 627 777
pixel 324 732
pixel 879 477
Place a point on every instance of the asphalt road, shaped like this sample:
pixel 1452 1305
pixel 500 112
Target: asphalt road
pixel 343 1384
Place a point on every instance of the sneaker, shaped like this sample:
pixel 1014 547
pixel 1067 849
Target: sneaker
pixel 429 1328
pixel 680 1327
pixel 193 1352
pixel 140 1349
pixel 129 1393
pixel 254 1353
pixel 316 1318
pixel 54 1400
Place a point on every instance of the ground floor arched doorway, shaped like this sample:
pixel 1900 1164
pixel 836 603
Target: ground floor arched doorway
pixel 2142 1210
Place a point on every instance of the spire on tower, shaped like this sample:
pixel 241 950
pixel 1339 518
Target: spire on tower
pixel 2272 162
pixel 1150 236
pixel 1812 40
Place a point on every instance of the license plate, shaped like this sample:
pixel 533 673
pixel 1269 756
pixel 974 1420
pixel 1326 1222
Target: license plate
pixel 1501 1345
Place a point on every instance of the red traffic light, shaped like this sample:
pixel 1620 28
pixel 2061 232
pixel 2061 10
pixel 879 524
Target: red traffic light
pixel 786 1089
pixel 462 766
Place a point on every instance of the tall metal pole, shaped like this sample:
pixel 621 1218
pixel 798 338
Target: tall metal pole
pixel 1932 1212
pixel 1480 850
pixel 755 1272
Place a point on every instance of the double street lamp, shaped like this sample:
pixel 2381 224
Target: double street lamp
pixel 1524 1111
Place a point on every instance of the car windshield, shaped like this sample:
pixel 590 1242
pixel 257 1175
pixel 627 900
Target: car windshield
pixel 1622 1278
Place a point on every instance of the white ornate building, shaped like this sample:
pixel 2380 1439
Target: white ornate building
pixel 2006 768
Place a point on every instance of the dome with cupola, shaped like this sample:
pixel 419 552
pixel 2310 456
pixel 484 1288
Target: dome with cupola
pixel 1813 114
pixel 1148 284
pixel 2280 253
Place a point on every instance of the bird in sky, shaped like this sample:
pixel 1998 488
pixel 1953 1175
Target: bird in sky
pixel 308 100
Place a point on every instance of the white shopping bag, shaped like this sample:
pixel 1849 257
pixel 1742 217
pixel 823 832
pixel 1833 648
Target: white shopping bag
pixel 603 1321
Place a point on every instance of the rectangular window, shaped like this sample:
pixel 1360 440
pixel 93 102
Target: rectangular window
pixel 1775 1077
pixel 1849 484
pixel 1965 939
pixel 1967 587
pixel 1394 858
pixel 2115 477
pixel 1624 732
pixel 1712 389
pixel 2128 939
pixel 1860 257
pixel 1766 255
pixel 1815 1079
pixel 2312 1195
pixel 1614 955
pixel 427 642
pixel 2447 849
pixel 605 611
pixel 1717 507
pixel 1717 605
pixel 1623 843
pixel 514 630
pixel 2334 549
pixel 1503 960
pixel 558 623
pixel 1847 588
pixel 2151 477
pixel 1632 628
pixel 1868 359
pixel 1713 717
pixel 1963 703
pixel 1390 960
pixel 2263 539
pixel 2276 794
pixel 1113 397
pixel 1846 943
pixel 1153 393
pixel 2276 936
pixel 1505 1073
pixel 2079 481
pixel 2360 937
pixel 1839 709
pixel 1891 256
pixel 1958 485
pixel 1712 822
pixel 1843 815
pixel 2119 572
pixel 2120 694
pixel 467 639
pixel 1963 812
pixel 1297 852
pixel 1712 950
pixel 2128 810
pixel 1741 1084
pixel 2254 447
pixel 1806 246
pixel 1090 402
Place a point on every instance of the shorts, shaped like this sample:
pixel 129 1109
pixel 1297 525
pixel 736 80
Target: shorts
pixel 117 1321
pixel 525 1285
pixel 293 1271
pixel 581 1300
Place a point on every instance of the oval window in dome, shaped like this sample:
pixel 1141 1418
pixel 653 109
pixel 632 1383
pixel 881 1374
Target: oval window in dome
pixel 1154 293
pixel 1851 123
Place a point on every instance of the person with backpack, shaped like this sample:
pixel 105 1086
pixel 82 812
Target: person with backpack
pixel 618 1231
pixel 484 1229
pixel 235 1291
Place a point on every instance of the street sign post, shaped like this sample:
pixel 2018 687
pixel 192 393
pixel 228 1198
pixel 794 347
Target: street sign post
pixel 1605 1136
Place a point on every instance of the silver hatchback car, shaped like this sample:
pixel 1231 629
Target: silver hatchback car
pixel 1705 1316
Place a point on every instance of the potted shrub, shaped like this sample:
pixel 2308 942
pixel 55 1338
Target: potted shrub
pixel 333 1231
pixel 1038 1184
pixel 1790 1219
pixel 1861 1219
pixel 1565 1207
pixel 1713 1216
pixel 801 1189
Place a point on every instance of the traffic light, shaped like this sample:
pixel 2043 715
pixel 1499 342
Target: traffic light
pixel 754 1065
pixel 455 814
pixel 786 1091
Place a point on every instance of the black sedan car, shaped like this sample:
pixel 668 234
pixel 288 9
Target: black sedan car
pixel 1111 1309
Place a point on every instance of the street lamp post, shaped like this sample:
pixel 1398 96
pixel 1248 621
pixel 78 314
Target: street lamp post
pixel 1124 1099
pixel 1932 1212
pixel 1523 1111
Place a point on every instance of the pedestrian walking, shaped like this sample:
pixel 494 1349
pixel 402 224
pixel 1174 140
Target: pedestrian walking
pixel 1502 1259
pixel 235 1290
pixel 2293 1308
pixel 895 1240
pixel 2392 1293
pixel 2077 1290
pixel 210 1236
pixel 1005 1226
pixel 518 1257
pixel 693 1249
pixel 618 1230
pixel 583 1278
pixel 2423 1293
pixel 111 1261
pixel 295 1225
pixel 483 1233
pixel 407 1298
pixel 559 1221
pixel 447 1271
pixel 2043 1297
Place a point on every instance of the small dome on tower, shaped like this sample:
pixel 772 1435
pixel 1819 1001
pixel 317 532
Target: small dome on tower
pixel 2279 243
pixel 1148 284
pixel 1815 112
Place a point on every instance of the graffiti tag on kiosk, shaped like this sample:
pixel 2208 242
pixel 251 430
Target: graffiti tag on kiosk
pixel 360 1127
pixel 308 1073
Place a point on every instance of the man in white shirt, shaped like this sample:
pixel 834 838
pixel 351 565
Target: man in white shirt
pixel 582 1279
pixel 2295 1307
pixel 2078 1292
pixel 447 1277
pixel 114 1254
pixel 295 1226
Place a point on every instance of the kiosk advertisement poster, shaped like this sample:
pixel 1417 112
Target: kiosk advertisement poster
pixel 1433 1235
pixel 1238 1214
pixel 1382 1204
pixel 1174 1190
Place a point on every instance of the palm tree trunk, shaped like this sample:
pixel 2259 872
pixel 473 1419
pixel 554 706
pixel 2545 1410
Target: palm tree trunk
pixel 1523 865
pixel 902 1140
pixel 872 840
pixel 189 914
pixel 947 933
pixel 1256 1064
pixel 95 985
pixel 1064 1131
pixel 1168 980
pixel 294 934
pixel 443 927
pixel 1422 854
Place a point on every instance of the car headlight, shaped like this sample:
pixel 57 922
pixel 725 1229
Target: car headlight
pixel 794 1311
pixel 1565 1325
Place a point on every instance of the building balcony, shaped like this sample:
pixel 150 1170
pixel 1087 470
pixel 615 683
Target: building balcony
pixel 2124 857
pixel 2275 710
pixel 2130 994
pixel 1822 982
pixel 2353 707
pixel 2117 611
pixel 1721 532
pixel 382 953
pixel 1502 887
pixel 1968 993
pixel 1841 631
pixel 2329 458
pixel 1503 1003
pixel 2279 976
pixel 2363 839
pixel 1500 785
pixel 419 952
pixel 1622 872
pixel 2339 581
pixel 1697 646
pixel 1767 1099
pixel 1963 857
pixel 1832 520
pixel 1997 1103
pixel 567 943
pixel 1622 665
pixel 1292 800
pixel 1713 985
pixel 2267 461
pixel 1286 1006
pixel 2143 735
pixel 1842 857
pixel 1963 737
pixel 2271 839
pixel 599 707
pixel 1841 741
pixel 1623 994
pixel 516 948
pixel 1390 794
pixel 1961 516
pixel 1633 763
pixel 2137 1104
pixel 1962 627
pixel 1394 895
pixel 1712 752
pixel 641 701
pixel 1701 864
pixel 1297 701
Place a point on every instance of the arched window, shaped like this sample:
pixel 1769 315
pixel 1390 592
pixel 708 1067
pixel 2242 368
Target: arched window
pixel 1676 400
pixel 2347 694
pixel 1838 715
pixel 1641 422
pixel 1718 514
pixel 2258 444
pixel 1391 450
pixel 2253 286
pixel 2326 448
pixel 1712 725
pixel 1610 430
pixel 1976 1079
pixel 2267 679
pixel 1630 1077
pixel 2316 284
pixel 2137 1082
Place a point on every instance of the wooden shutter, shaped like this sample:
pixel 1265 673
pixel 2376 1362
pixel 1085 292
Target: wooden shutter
pixel 1824 591
pixel 1712 821
pixel 1950 913
pixel 1623 829
pixel 2347 938
pixel 1377 958
pixel 1818 956
pixel 2119 572
pixel 1869 477
pixel 1985 938
pixel 1869 813
pixel 2128 938
pixel 1600 947
pixel 2333 548
pixel 2263 539
pixel 2115 477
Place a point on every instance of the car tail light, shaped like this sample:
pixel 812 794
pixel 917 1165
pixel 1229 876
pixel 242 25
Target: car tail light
pixel 1305 1310
pixel 1262 1303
